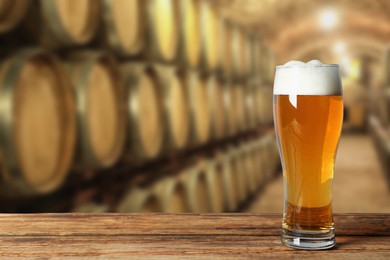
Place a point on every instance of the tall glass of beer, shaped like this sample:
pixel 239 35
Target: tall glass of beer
pixel 308 114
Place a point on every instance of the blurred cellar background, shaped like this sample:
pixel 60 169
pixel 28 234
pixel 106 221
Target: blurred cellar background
pixel 166 105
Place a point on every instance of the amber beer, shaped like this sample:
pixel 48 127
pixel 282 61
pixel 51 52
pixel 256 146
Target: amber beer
pixel 308 112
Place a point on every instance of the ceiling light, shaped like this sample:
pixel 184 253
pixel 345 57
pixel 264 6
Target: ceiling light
pixel 339 47
pixel 328 19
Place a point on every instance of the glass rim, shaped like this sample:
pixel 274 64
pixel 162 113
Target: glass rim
pixel 306 66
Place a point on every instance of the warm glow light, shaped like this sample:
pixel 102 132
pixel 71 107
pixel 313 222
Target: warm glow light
pixel 328 19
pixel 345 61
pixel 339 47
pixel 350 68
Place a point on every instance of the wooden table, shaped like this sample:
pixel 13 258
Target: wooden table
pixel 157 236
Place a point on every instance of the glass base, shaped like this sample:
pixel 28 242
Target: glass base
pixel 309 240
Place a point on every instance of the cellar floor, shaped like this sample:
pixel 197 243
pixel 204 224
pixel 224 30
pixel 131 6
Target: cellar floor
pixel 359 183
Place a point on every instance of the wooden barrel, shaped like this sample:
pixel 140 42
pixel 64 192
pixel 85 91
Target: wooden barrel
pixel 382 105
pixel 271 70
pixel 62 23
pixel 375 103
pixel 265 153
pixel 238 174
pixel 274 150
pixel 238 107
pixel 195 185
pixel 145 128
pixel 226 50
pixel 215 185
pixel 272 155
pixel 386 67
pixel 247 54
pixel 264 157
pixel 234 106
pixel 11 13
pixel 171 194
pixel 199 106
pixel 138 200
pixel 381 142
pixel 269 154
pixel 99 93
pixel 230 114
pixel 268 66
pixel 265 64
pixel 252 55
pixel 257 56
pixel 173 97
pixel 217 109
pixel 123 26
pixel 257 99
pixel 257 162
pixel 189 33
pixel 91 207
pixel 209 35
pixel 264 104
pixel 223 165
pixel 249 105
pixel 162 29
pixel 37 123
pixel 260 58
pixel 240 52
pixel 249 168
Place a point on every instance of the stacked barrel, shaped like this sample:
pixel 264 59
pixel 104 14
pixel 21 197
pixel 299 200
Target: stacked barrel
pixel 379 120
pixel 113 85
pixel 218 182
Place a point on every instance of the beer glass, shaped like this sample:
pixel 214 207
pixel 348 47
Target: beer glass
pixel 308 113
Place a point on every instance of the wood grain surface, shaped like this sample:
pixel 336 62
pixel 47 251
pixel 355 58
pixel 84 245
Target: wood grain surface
pixel 200 236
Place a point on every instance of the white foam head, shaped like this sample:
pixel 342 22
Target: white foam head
pixel 312 78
